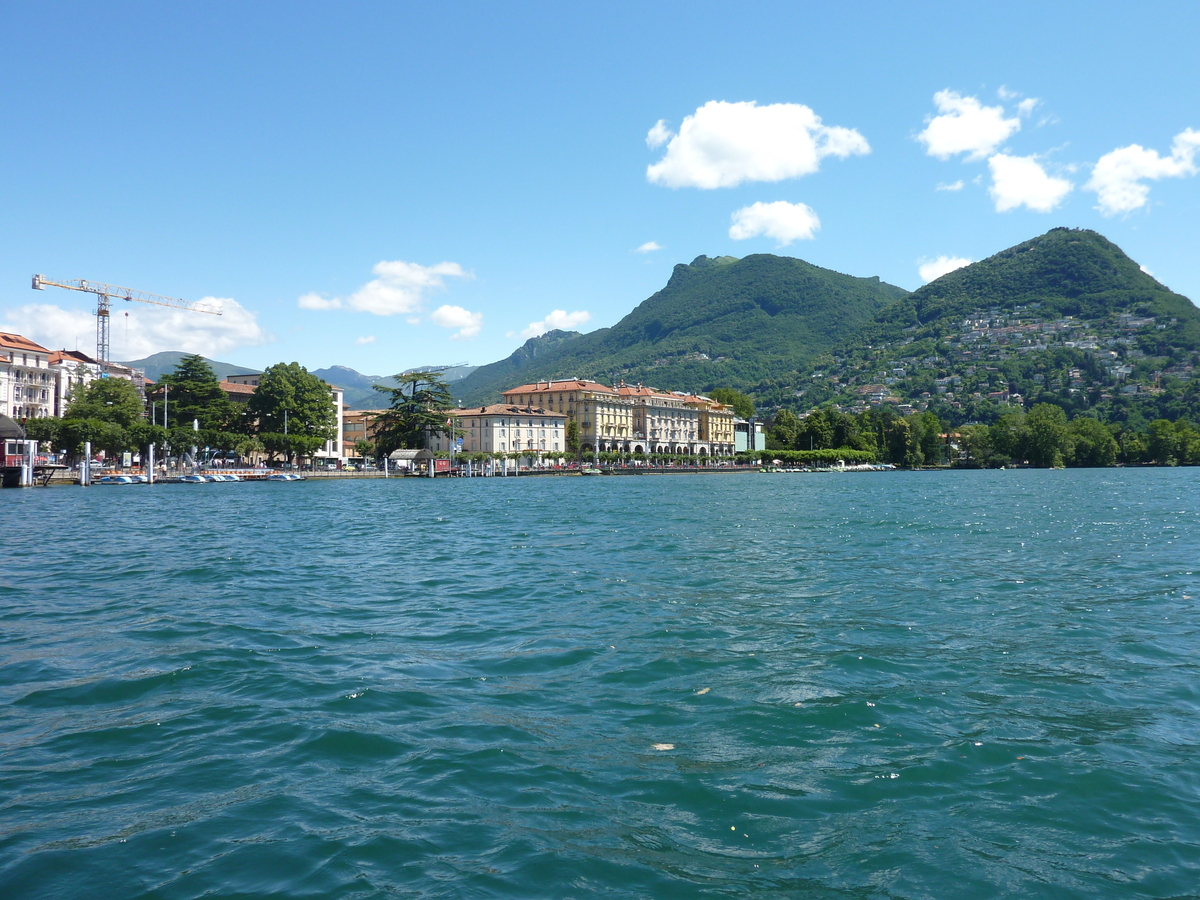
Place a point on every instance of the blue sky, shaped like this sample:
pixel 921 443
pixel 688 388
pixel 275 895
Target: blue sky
pixel 390 185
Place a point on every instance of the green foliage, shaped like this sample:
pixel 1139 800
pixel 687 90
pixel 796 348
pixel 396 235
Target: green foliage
pixel 1049 443
pixel 1093 444
pixel 44 431
pixel 418 408
pixel 194 394
pixel 813 457
pixel 723 322
pixel 743 406
pixel 112 400
pixel 292 403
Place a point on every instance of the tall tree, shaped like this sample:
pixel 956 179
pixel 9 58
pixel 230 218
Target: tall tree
pixel 292 410
pixel 1049 439
pixel 112 400
pixel 194 394
pixel 417 410
pixel 785 430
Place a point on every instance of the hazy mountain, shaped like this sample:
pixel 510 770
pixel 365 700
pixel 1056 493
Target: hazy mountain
pixel 160 364
pixel 359 390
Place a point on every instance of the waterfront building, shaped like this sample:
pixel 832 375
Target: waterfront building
pixel 359 425
pixel 73 371
pixel 748 435
pixel 634 418
pixel 663 422
pixel 28 386
pixel 603 418
pixel 715 424
pixel 504 428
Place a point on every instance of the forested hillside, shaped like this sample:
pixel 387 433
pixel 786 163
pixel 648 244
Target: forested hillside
pixel 718 322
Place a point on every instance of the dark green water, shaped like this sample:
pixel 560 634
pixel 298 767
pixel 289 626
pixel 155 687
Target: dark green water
pixel 925 685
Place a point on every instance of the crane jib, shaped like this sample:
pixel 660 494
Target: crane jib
pixel 105 292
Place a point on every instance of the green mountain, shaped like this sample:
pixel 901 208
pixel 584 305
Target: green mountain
pixel 718 322
pixel 1066 318
pixel 159 364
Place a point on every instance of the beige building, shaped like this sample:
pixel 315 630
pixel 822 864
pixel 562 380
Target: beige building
pixel 662 422
pixel 603 418
pixel 715 424
pixel 634 418
pixel 359 425
pixel 505 428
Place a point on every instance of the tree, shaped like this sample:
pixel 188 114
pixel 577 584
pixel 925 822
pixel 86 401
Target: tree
pixel 1163 442
pixel 743 406
pixel 44 431
pixel 194 393
pixel 112 400
pixel 292 402
pixel 1009 437
pixel 1094 444
pixel 572 437
pixel 816 431
pixel 785 430
pixel 1049 439
pixel 418 409
pixel 362 447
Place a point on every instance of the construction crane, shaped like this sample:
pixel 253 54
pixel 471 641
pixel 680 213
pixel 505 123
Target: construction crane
pixel 104 294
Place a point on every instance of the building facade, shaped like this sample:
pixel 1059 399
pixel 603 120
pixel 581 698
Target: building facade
pixel 28 385
pixel 603 419
pixel 504 428
pixel 634 418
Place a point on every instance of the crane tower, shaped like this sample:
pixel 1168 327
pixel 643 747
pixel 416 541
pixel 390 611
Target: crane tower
pixel 105 293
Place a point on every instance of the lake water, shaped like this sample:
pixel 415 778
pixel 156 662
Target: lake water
pixel 899 685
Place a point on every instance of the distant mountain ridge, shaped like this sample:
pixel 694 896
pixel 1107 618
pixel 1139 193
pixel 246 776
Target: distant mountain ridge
pixel 1066 317
pixel 159 364
pixel 723 321
pixel 358 389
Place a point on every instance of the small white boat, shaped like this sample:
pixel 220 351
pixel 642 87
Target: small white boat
pixel 116 479
pixel 193 479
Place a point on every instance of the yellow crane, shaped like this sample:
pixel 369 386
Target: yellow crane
pixel 105 293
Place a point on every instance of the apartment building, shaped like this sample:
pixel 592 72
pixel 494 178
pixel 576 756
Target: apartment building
pixel 504 428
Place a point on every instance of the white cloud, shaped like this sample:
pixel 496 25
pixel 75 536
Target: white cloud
pixel 964 125
pixel 932 269
pixel 399 288
pixel 1117 177
pixel 648 247
pixel 316 301
pixel 143 331
pixel 952 186
pixel 558 319
pixel 1021 181
pixel 783 221
pixel 468 323
pixel 1027 106
pixel 1147 271
pixel 725 144
pixel 658 135
pixel 365 339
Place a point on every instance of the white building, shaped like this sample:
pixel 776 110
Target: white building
pixel 28 386
pixel 505 428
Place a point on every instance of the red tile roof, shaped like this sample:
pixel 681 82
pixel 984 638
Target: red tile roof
pixel 574 384
pixel 19 342
pixel 506 409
